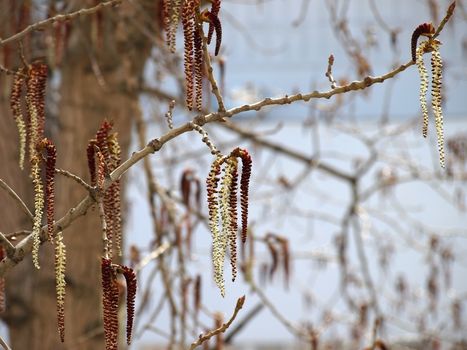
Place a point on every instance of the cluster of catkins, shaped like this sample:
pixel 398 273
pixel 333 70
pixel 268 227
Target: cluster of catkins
pixel 31 137
pixel 110 301
pixel 42 152
pixel 222 204
pixel 188 12
pixel 105 151
pixel 104 156
pixel 430 45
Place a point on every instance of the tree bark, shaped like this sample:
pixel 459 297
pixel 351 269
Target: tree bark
pixel 94 82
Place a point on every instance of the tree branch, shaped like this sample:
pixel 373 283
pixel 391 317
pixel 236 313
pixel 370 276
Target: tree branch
pixel 221 329
pixel 239 325
pixel 58 18
pixel 5 243
pixel 25 246
pixel 212 80
pixel 74 177
pixel 4 344
pixel 311 161
pixel 17 198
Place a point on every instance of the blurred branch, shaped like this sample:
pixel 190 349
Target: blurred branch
pixel 58 18
pixel 311 161
pixel 152 256
pixel 25 246
pixel 276 313
pixel 4 344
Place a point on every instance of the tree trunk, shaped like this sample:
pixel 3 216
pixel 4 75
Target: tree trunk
pixel 86 99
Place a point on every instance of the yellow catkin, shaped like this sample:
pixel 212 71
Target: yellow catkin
pixel 34 124
pixel 22 141
pixel 38 209
pixel 15 103
pixel 60 283
pixel 436 83
pixel 175 6
pixel 115 160
pixel 220 245
pixel 213 204
pixel 423 85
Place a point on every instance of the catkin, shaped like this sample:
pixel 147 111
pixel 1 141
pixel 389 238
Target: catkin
pixel 38 209
pixel 213 206
pixel 231 205
pixel 436 69
pixel 15 105
pixel 423 86
pixel 131 285
pixel 60 283
pixel 110 304
pixel 189 27
pixel 173 24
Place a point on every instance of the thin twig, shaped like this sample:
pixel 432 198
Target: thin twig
pixel 13 236
pixel 58 18
pixel 212 80
pixel 76 178
pixel 239 325
pixel 202 338
pixel 15 196
pixel 445 20
pixel 4 344
pixel 152 256
pixel 5 243
pixel 310 161
pixel 25 246
pixel 276 313
pixel 6 70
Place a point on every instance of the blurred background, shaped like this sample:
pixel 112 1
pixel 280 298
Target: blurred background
pixel 411 213
pixel 358 238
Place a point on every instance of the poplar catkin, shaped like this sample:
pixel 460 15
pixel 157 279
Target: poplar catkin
pixel 60 283
pixel 213 206
pixel 436 69
pixel 15 105
pixel 38 209
pixel 423 86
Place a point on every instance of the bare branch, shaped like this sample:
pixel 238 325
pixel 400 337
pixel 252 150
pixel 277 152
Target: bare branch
pixel 58 18
pixel 17 198
pixel 212 80
pixel 25 246
pixel 239 325
pixel 446 18
pixel 76 178
pixel 4 344
pixel 5 243
pixel 221 329
pixel 276 313
pixel 152 256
